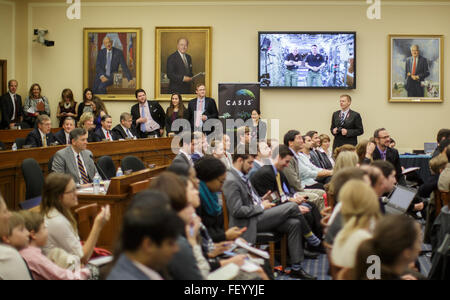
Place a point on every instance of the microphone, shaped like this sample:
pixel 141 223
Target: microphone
pixel 102 173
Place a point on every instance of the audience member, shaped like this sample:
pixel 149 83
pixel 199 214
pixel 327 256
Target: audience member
pixel 392 144
pixel 200 146
pixel 87 123
pixel 76 160
pixel 104 133
pixel 148 243
pixel 12 266
pixel 309 173
pixel 148 116
pixel 99 110
pixel 396 242
pixel 346 159
pixel 260 214
pixel 187 144
pixel 364 150
pixel 67 107
pixel 227 146
pixel 35 105
pixel 176 110
pixel 437 165
pixel 444 179
pixel 442 135
pixel 325 149
pixel 11 107
pixel 263 156
pixel 343 148
pixel 320 161
pixel 41 136
pixel 384 152
pixel 244 138
pixel 201 109
pixel 86 105
pixel 63 136
pixel 125 129
pixel 41 267
pixel 58 198
pixel 360 211
pixel 212 175
pixel 258 128
pixel 218 151
pixel 389 178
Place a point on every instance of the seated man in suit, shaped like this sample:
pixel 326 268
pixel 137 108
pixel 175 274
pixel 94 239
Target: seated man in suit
pixel 319 160
pixel 63 136
pixel 444 178
pixel 104 133
pixel 148 116
pixel 76 160
pixel 259 214
pixel 125 129
pixel 201 109
pixel 384 152
pixel 271 178
pixel 11 107
pixel 244 137
pixel 187 147
pixel 262 158
pixel 41 136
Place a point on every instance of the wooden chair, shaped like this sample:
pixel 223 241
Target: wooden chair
pixel 441 199
pixel 262 238
pixel 139 186
pixel 85 217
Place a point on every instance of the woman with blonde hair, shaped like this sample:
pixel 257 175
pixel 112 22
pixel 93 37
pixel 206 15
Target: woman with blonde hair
pixel 360 212
pixel 87 122
pixel 346 159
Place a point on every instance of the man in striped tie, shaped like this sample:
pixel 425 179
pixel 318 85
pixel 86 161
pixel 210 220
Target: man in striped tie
pixel 76 160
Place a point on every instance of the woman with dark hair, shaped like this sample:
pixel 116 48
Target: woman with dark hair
pixel 176 110
pixel 258 129
pixel 212 174
pixel 35 105
pixel 66 107
pixel 86 105
pixel 396 241
pixel 365 149
pixel 99 110
pixel 59 197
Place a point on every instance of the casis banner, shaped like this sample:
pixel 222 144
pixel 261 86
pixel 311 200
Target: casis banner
pixel 237 100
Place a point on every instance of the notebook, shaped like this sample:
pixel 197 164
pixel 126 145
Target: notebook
pixel 400 200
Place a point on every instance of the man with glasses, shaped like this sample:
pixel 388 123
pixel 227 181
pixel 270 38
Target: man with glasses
pixel 125 129
pixel 41 136
pixel 384 152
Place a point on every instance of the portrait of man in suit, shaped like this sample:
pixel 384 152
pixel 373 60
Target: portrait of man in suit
pixel 416 71
pixel 179 69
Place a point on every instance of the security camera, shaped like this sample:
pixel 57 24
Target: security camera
pixel 40 38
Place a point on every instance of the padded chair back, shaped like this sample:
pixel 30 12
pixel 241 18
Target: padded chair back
pixel 30 203
pixel 132 163
pixel 85 217
pixel 107 165
pixel 20 142
pixel 34 179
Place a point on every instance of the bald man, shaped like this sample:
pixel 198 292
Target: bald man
pixel 416 70
pixel 108 61
pixel 179 69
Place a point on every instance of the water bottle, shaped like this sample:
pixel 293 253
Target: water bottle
pixel 14 147
pixel 119 172
pixel 97 183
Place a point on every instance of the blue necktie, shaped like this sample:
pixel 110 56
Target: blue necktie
pixel 129 133
pixel 108 63
pixel 142 116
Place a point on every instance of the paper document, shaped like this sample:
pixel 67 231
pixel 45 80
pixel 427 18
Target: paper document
pixel 409 170
pixel 100 261
pixel 198 74
pixel 253 250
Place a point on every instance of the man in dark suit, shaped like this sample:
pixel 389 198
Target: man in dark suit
pixel 108 61
pixel 259 214
pixel 125 129
pixel 148 116
pixel 11 107
pixel 384 152
pixel 41 136
pixel 346 124
pixel 416 70
pixel 76 160
pixel 201 109
pixel 63 136
pixel 179 69
pixel 105 133
pixel 187 147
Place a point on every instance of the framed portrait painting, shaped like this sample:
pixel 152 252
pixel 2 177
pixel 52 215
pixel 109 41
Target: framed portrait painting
pixel 416 68
pixel 112 62
pixel 182 61
pixel 3 74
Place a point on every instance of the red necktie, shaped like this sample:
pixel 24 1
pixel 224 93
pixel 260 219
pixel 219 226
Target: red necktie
pixel 414 67
pixel 107 135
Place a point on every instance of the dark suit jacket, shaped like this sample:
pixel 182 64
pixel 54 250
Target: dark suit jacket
pixel 156 111
pixel 6 109
pixel 116 60
pixel 210 112
pixel 34 138
pixel 421 69
pixel 393 157
pixel 119 133
pixel 353 124
pixel 60 137
pixel 214 224
pixel 101 135
pixel 93 137
pixel 265 179
pixel 176 70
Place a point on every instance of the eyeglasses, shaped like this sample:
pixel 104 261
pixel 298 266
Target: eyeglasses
pixel 384 137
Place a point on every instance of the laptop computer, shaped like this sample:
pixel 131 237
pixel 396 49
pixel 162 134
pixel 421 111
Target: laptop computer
pixel 429 147
pixel 400 200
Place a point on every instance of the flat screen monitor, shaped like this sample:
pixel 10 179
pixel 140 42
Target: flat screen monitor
pixel 307 60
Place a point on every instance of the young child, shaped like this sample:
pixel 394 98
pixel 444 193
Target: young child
pixel 18 235
pixel 41 267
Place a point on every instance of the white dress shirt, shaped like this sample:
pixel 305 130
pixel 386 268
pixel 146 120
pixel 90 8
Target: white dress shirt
pixel 14 105
pixel 150 125
pixel 106 135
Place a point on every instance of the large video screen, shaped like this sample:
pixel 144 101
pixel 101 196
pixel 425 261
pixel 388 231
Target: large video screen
pixel 307 60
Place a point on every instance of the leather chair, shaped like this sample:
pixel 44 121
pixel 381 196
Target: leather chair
pixel 107 165
pixel 132 163
pixel 20 142
pixel 34 179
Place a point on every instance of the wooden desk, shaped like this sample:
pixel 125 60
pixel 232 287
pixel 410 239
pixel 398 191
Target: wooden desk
pixel 12 185
pixel 8 137
pixel 118 197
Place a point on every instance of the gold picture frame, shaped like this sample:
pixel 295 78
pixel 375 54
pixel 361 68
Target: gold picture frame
pixel 418 80
pixel 169 64
pixel 124 74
